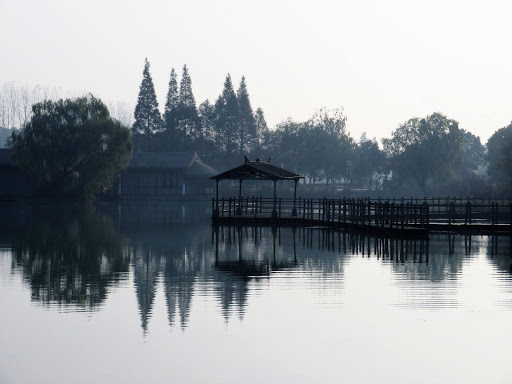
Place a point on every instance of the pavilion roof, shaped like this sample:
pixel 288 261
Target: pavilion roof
pixel 257 170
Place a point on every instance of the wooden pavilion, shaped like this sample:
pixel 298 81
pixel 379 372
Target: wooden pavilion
pixel 257 170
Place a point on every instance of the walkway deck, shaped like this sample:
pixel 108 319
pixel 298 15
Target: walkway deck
pixel 406 219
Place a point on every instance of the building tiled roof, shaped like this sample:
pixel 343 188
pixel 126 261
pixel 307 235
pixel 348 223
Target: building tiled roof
pixel 154 160
pixel 188 161
pixel 168 160
pixel 200 169
pixel 257 170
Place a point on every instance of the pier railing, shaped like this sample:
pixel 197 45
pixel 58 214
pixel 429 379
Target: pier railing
pixel 376 212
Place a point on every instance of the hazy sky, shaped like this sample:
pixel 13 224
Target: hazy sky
pixel 382 61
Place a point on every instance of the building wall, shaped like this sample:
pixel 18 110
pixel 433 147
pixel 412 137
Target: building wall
pixel 152 182
pixel 200 186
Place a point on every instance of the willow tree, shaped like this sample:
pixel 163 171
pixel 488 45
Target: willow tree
pixel 72 146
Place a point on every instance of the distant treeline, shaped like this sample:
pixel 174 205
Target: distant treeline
pixel 430 155
pixel 423 156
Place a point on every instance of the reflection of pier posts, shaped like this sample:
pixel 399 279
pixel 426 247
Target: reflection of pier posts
pixel 294 230
pixel 216 244
pixel 274 235
pixel 239 230
pixel 467 244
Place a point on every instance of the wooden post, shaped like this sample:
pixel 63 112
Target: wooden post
pixel 274 211
pixel 403 216
pixel 363 212
pixel 344 212
pixel 294 211
pixel 426 209
pixel 239 210
pixel 280 207
pixel 216 213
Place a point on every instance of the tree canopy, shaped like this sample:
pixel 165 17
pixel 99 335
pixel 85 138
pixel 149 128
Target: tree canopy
pixel 499 157
pixel 72 141
pixel 425 149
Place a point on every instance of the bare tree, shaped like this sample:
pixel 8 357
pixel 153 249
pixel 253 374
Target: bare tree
pixel 16 102
pixel 122 112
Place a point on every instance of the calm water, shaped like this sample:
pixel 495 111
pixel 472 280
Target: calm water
pixel 150 292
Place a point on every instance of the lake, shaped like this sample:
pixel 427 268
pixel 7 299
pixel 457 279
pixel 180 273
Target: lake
pixel 150 292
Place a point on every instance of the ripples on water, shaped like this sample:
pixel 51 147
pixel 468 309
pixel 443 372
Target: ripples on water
pixel 74 258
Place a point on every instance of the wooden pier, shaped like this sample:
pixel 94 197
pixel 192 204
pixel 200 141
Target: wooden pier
pixel 408 218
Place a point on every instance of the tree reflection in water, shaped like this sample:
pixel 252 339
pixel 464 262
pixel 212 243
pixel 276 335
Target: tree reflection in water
pixel 70 255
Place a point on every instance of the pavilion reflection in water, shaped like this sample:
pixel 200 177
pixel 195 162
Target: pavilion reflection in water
pixel 72 258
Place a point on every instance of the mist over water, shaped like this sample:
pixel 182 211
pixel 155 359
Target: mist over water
pixel 131 292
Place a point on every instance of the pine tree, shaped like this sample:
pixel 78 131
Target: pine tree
pixel 172 103
pixel 171 136
pixel 226 109
pixel 188 120
pixel 261 131
pixel 207 119
pixel 147 115
pixel 186 96
pixel 246 125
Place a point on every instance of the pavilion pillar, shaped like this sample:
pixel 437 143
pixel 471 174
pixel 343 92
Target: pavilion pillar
pixel 294 211
pixel 216 213
pixel 239 209
pixel 274 211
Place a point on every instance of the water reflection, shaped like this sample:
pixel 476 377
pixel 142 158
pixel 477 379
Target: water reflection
pixel 72 255
pixel 69 255
pixel 499 249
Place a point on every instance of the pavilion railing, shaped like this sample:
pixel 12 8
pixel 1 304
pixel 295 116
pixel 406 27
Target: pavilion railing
pixel 390 212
